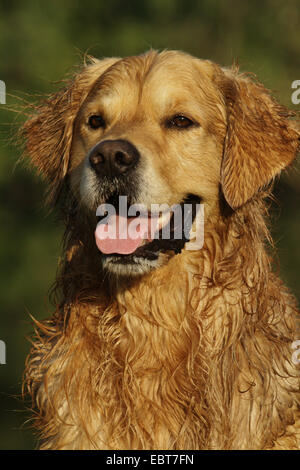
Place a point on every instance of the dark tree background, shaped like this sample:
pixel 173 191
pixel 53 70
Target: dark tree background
pixel 40 41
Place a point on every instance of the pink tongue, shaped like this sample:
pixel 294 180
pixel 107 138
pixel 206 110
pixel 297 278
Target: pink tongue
pixel 121 234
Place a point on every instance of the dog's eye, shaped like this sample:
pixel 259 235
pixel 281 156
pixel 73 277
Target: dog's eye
pixel 181 122
pixel 96 121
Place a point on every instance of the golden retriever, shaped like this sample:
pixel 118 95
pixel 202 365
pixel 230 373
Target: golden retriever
pixel 156 343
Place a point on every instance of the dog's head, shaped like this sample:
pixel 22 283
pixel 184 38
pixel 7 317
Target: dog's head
pixel 152 137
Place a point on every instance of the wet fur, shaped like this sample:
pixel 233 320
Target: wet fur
pixel 195 354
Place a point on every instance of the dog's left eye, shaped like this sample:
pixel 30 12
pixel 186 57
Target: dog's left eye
pixel 96 121
pixel 180 121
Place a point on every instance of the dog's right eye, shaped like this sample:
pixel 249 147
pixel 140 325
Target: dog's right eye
pixel 180 122
pixel 96 121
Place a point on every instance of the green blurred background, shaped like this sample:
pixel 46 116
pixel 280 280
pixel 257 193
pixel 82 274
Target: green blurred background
pixel 40 41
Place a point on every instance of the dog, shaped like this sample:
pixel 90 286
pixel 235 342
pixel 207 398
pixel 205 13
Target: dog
pixel 175 342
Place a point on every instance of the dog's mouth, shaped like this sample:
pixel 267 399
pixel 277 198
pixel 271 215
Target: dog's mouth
pixel 127 238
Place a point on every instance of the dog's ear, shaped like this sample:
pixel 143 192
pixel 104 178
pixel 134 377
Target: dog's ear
pixel 48 132
pixel 261 138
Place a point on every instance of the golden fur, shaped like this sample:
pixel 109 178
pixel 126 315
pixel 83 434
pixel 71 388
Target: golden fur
pixel 193 352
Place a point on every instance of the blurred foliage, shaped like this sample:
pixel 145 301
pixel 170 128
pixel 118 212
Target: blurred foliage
pixel 40 42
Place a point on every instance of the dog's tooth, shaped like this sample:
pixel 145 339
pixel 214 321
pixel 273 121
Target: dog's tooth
pixel 164 219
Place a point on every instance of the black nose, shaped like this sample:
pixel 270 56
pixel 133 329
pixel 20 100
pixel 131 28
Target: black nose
pixel 113 157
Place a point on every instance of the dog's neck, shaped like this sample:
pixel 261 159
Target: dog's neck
pixel 224 261
pixel 165 340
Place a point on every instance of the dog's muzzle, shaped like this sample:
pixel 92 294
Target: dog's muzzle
pixel 116 166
